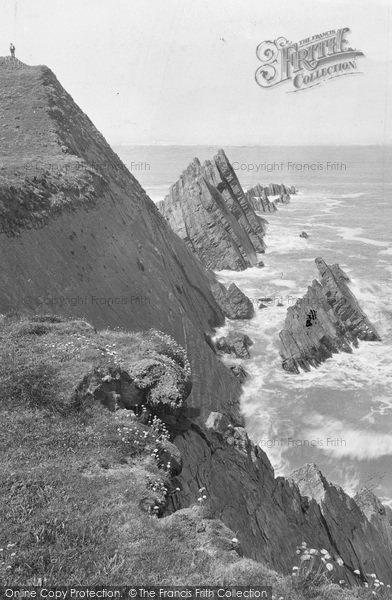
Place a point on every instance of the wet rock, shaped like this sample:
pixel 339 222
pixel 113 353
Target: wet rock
pixel 239 372
pixel 303 234
pixel 258 197
pixel 327 319
pixel 233 302
pixel 235 343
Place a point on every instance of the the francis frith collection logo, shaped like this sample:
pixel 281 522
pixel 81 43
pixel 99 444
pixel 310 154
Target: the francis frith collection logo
pixel 306 63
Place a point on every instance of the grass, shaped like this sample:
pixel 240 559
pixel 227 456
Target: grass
pixel 82 487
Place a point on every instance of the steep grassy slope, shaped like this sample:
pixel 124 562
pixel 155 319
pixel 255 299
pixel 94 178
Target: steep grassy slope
pixel 79 236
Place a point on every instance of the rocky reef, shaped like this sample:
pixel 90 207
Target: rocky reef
pixel 327 319
pixel 258 196
pixel 210 212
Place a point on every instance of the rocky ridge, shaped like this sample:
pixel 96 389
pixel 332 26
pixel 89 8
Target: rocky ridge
pixel 327 319
pixel 210 212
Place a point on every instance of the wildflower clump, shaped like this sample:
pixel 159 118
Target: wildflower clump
pixel 7 560
pixel 315 567
pixel 151 439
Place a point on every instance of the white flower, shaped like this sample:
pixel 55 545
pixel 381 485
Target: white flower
pixel 234 540
pixel 341 581
pixel 295 568
pixel 357 572
pixel 298 551
pixel 329 566
pixel 340 562
pixel 303 544
pixel 324 551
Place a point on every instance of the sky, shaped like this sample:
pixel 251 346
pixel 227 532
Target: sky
pixel 183 71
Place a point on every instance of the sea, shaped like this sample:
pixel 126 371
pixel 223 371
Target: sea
pixel 338 416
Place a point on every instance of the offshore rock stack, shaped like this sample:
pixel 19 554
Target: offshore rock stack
pixel 209 210
pixel 327 319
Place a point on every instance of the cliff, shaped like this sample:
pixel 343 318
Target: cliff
pixel 80 237
pixel 327 319
pixel 208 209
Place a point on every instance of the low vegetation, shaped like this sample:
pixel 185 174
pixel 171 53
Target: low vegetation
pixel 83 487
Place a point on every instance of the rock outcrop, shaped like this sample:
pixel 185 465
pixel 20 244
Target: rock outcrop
pixel 234 303
pixel 80 237
pixel 327 319
pixel 272 516
pixel 258 198
pixel 208 209
pixel 235 343
pixel 352 530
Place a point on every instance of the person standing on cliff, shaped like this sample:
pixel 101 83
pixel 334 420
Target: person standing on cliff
pixel 12 50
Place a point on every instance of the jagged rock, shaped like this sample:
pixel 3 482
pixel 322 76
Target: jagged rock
pixel 303 234
pixel 208 209
pixel 260 264
pixel 327 319
pixel 235 343
pixel 261 305
pixel 239 372
pixel 272 516
pixel 283 199
pixel 234 303
pixel 378 515
pixel 349 527
pixel 72 202
pixel 258 198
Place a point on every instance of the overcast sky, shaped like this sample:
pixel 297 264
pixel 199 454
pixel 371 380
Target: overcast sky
pixel 158 71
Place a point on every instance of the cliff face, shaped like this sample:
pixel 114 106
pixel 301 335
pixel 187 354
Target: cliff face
pixel 327 319
pixel 79 236
pixel 208 209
